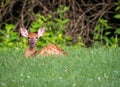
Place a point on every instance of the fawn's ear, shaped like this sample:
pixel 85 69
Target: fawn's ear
pixel 24 32
pixel 41 32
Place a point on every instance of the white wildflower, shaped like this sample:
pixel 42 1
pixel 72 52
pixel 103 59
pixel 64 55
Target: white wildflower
pixel 61 78
pixel 21 80
pixel 105 76
pixel 91 80
pixel 99 78
pixel 21 74
pixel 65 69
pixel 28 76
pixel 73 85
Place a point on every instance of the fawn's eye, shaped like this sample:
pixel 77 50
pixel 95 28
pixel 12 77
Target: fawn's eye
pixel 36 37
pixel 28 37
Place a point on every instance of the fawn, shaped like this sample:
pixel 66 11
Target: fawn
pixel 50 49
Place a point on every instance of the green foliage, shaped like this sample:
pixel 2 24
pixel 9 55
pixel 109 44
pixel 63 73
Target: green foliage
pixel 55 27
pixel 117 31
pixel 103 30
pixel 118 5
pixel 117 9
pixel 80 42
pixel 117 16
pixel 7 36
pixel 102 33
pixel 3 3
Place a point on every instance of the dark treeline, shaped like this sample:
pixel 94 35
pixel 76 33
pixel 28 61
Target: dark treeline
pixel 83 15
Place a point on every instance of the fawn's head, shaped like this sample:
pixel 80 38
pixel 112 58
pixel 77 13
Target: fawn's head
pixel 32 37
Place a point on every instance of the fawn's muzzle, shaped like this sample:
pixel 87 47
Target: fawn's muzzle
pixel 32 42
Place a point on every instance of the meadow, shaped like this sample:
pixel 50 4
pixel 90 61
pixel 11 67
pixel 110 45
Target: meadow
pixel 83 67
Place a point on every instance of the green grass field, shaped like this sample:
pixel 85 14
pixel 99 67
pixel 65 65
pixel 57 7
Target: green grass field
pixel 84 67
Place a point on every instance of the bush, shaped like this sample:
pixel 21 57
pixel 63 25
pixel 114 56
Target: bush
pixel 103 32
pixel 54 31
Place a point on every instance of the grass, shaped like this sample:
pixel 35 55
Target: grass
pixel 84 67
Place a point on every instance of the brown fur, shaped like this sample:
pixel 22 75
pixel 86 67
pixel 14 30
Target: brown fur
pixel 29 51
pixel 51 49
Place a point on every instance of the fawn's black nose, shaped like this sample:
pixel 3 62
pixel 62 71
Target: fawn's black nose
pixel 32 42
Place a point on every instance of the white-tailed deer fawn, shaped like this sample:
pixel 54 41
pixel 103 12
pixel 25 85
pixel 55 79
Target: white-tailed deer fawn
pixel 50 49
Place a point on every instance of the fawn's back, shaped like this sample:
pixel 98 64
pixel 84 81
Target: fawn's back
pixel 51 49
